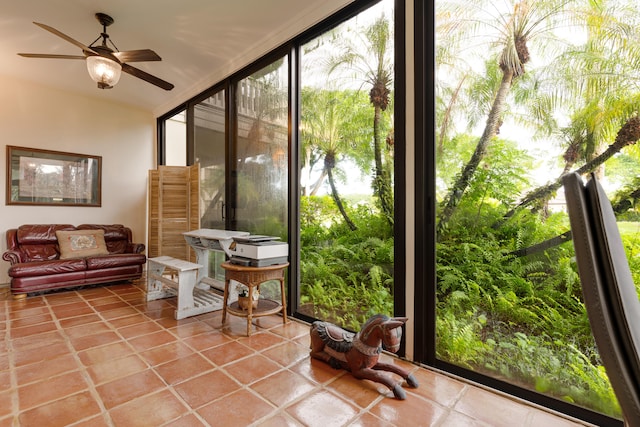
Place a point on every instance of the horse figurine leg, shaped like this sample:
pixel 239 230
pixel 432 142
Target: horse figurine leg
pixel 372 375
pixel 389 367
pixel 317 345
pixel 367 367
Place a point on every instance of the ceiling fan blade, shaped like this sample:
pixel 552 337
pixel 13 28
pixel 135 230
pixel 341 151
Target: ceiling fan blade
pixel 146 77
pixel 66 37
pixel 45 55
pixel 137 55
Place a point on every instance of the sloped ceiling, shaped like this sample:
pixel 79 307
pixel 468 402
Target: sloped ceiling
pixel 200 41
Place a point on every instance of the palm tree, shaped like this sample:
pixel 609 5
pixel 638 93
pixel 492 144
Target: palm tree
pixel 368 58
pixel 323 116
pixel 600 93
pixel 602 96
pixel 517 27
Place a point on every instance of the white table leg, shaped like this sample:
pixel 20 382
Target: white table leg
pixel 155 289
pixel 187 281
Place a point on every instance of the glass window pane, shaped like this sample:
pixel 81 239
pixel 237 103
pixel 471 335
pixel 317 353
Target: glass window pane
pixel 260 168
pixel 176 140
pixel 209 147
pixel 526 92
pixel 210 153
pixel 346 172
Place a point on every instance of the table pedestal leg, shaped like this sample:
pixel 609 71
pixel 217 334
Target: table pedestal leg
pixel 225 300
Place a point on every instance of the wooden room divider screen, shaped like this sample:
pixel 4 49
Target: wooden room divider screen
pixel 174 208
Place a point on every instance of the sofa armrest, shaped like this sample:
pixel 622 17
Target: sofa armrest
pixel 136 248
pixel 14 257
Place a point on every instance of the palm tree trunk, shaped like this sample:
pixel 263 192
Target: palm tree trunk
pixel 382 180
pixel 543 246
pixel 377 146
pixel 624 200
pixel 307 161
pixel 447 117
pixel 338 201
pixel 316 186
pixel 493 121
pixel 547 191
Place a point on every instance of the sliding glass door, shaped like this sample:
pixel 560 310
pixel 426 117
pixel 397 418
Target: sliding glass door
pixel 210 143
pixel 346 170
pixel 525 92
pixel 259 156
pixel 341 103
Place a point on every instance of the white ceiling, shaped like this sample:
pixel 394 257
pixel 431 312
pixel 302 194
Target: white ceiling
pixel 200 41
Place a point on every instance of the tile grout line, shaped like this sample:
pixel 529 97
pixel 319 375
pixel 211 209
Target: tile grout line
pixel 78 367
pixel 449 409
pixel 15 398
pixel 116 330
pixel 318 386
pixel 170 387
pixel 157 315
pixel 248 387
pixel 84 370
pixel 167 386
pixel 13 375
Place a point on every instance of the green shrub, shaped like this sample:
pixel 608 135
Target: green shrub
pixel 346 276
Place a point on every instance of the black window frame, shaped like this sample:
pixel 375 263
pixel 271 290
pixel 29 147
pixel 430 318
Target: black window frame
pixel 292 49
pixel 424 270
pixel 425 222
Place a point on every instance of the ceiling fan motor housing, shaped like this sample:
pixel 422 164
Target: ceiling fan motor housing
pixel 104 19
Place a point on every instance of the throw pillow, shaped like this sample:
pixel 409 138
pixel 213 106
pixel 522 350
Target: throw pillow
pixel 81 243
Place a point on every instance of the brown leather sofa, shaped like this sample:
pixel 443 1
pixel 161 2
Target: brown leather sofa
pixel 34 252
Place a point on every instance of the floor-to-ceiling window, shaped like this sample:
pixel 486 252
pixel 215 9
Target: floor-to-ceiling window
pixel 476 316
pixel 175 139
pixel 259 160
pixel 345 146
pixel 524 93
pixel 210 153
pixel 210 142
pixel 346 169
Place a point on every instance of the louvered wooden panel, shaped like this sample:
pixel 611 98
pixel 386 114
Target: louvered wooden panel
pixel 153 246
pixel 173 210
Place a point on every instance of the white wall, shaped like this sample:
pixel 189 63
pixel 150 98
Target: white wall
pixel 40 117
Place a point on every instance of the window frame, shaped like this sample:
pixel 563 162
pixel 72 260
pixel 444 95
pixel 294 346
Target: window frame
pixel 425 221
pixel 292 49
pixel 423 181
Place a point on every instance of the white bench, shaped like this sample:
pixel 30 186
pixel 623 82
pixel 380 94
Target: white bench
pixel 191 300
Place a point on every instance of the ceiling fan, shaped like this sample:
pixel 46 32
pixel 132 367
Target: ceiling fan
pixel 103 62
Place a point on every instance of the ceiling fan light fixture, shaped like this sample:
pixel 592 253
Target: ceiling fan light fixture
pixel 103 71
pixel 104 63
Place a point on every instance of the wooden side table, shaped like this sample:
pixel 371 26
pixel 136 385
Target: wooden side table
pixel 252 277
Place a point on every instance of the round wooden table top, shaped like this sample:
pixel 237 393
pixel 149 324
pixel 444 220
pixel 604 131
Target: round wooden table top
pixel 235 267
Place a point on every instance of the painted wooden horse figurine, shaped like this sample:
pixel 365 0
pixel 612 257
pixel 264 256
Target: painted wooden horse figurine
pixel 358 353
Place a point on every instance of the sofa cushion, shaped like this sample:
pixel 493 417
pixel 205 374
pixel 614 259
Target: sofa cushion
pixel 45 268
pixel 40 252
pixel 81 243
pixel 38 242
pixel 40 234
pixel 114 260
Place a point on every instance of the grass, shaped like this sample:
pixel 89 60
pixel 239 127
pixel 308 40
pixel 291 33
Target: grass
pixel 628 227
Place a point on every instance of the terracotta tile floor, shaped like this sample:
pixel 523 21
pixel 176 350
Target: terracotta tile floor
pixel 104 356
